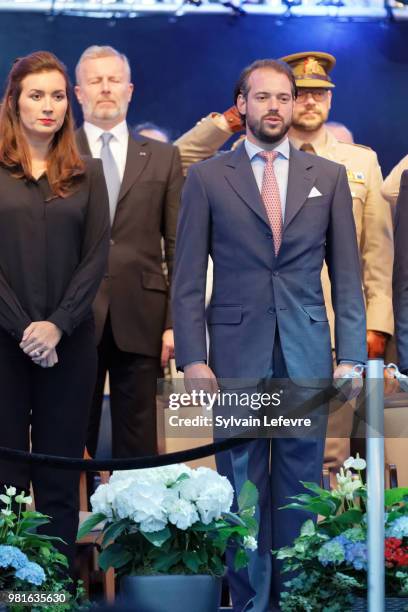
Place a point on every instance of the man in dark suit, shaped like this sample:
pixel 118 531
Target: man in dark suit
pixel 400 276
pixel 132 310
pixel 268 215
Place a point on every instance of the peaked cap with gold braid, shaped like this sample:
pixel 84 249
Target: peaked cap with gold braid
pixel 311 68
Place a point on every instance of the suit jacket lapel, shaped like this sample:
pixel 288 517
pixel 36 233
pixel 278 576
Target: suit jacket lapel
pixel 300 182
pixel 82 142
pixel 138 155
pixel 239 174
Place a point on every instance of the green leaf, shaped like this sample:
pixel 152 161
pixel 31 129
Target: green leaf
pixel 234 518
pixel 201 527
pixel 217 565
pixel 252 525
pixel 351 516
pixel 312 486
pixel 203 555
pixel 308 528
pixel 240 559
pixel 115 556
pixel 325 508
pixel 395 496
pixel 165 562
pixel 286 553
pixel 192 561
pixel 248 496
pixel 32 523
pixel 183 476
pixel 90 523
pixel 114 530
pixel 157 538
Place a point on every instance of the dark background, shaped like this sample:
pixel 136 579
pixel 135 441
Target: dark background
pixel 184 68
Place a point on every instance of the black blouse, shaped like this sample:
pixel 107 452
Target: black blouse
pixel 53 252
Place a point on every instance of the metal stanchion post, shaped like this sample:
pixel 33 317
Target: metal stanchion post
pixel 375 483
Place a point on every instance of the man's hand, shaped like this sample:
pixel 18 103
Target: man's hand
pixel 376 343
pixel 49 361
pixel 199 377
pixel 350 387
pixel 40 338
pixel 167 347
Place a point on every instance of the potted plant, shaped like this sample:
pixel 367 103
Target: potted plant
pixel 165 531
pixel 29 561
pixel 330 557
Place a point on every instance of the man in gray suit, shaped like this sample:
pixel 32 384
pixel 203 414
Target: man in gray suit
pixel 268 215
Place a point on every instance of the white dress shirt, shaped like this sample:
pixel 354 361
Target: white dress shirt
pixel 280 166
pixel 118 144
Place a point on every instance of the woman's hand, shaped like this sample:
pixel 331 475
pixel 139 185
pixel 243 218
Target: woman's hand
pixel 49 361
pixel 40 338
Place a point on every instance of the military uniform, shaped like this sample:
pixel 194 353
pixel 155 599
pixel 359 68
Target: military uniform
pixel 391 185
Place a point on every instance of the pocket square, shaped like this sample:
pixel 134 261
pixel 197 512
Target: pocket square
pixel 314 193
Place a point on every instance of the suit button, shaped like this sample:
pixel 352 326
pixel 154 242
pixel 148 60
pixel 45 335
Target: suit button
pixel 271 311
pixel 112 242
pixel 106 276
pixel 275 274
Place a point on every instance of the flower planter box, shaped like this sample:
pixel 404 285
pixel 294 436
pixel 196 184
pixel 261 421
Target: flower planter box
pixel 172 593
pixel 392 604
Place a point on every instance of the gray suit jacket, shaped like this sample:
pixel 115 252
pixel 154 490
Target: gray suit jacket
pixel 254 292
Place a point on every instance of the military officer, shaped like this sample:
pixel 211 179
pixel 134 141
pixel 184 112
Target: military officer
pixel 391 185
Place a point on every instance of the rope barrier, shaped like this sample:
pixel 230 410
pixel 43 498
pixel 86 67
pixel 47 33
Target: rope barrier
pixel 132 463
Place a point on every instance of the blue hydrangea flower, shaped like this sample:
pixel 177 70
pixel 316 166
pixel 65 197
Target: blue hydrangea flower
pixel 355 534
pixel 398 528
pixel 332 552
pixel 31 572
pixel 356 555
pixel 11 556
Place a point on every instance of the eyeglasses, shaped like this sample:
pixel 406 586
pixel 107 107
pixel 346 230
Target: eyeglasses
pixel 318 95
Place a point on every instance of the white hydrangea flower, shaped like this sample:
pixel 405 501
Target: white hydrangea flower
pixel 152 524
pixel 101 500
pixel 211 492
pixel 142 502
pixel 167 474
pixel 250 543
pixel 182 513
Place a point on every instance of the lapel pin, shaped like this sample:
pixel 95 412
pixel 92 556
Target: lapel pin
pixel 142 152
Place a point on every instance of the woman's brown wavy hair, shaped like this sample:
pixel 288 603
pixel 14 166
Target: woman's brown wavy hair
pixel 64 164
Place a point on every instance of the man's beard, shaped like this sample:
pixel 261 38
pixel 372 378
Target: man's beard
pixel 299 122
pixel 102 112
pixel 263 133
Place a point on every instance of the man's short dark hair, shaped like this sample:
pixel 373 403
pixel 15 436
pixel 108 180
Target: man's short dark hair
pixel 242 86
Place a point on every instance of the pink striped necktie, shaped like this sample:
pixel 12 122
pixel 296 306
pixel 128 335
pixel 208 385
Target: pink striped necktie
pixel 271 198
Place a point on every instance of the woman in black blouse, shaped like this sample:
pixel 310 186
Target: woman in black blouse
pixel 54 233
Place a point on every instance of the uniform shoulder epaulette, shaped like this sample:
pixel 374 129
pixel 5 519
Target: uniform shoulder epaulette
pixel 355 144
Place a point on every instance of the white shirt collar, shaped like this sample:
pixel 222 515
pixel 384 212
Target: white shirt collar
pixel 93 132
pixel 282 148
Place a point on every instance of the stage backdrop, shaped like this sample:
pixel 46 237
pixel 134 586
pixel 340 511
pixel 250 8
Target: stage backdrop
pixel 184 68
